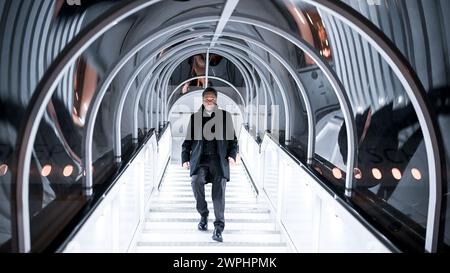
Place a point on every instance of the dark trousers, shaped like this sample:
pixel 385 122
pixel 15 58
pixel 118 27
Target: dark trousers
pixel 209 172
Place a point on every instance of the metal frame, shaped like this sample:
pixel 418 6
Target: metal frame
pixel 206 68
pixel 276 78
pixel 300 86
pixel 226 52
pixel 93 110
pixel 147 59
pixel 238 64
pixel 168 74
pixel 40 99
pixel 417 94
pixel 410 81
pixel 171 64
pixel 228 9
pixel 199 91
pixel 79 46
pixel 339 90
pixel 118 114
pixel 198 77
pixel 178 59
pixel 98 96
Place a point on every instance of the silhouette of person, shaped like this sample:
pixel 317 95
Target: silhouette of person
pixel 382 157
pixel 198 68
pixel 379 147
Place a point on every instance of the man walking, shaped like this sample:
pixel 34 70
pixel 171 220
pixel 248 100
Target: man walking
pixel 208 150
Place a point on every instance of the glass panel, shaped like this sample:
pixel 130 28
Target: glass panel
pixel 271 173
pixel 56 172
pixel 149 163
pixel 391 175
pixel 299 213
pixel 33 34
pixel 328 162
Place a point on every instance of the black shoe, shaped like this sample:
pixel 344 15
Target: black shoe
pixel 203 224
pixel 217 235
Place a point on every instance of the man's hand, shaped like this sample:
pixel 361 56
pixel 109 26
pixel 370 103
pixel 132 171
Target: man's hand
pixel 231 161
pixel 186 165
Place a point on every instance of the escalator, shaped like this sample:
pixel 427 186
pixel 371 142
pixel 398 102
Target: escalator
pixel 171 221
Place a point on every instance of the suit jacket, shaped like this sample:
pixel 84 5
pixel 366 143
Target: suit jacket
pixel 224 134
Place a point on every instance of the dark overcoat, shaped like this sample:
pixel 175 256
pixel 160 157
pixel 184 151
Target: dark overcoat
pixel 223 132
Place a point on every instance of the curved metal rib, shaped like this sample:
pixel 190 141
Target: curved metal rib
pixel 417 94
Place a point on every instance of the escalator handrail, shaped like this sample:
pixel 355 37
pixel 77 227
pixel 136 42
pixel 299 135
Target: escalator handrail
pixel 160 133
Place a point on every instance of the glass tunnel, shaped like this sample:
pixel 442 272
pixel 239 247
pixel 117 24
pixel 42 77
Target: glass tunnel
pixel 341 111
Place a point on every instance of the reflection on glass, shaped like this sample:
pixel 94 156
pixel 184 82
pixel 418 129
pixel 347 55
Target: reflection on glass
pixel 389 141
pixel 319 170
pixel 416 174
pixel 337 173
pixel 85 84
pixel 377 173
pixel 311 28
pixel 358 173
pixel 198 68
pixel 3 169
pixel 380 149
pixel 56 172
pixel 396 173
pixel 68 170
pixel 46 170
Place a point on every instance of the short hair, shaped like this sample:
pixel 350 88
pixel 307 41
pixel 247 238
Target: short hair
pixel 209 90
